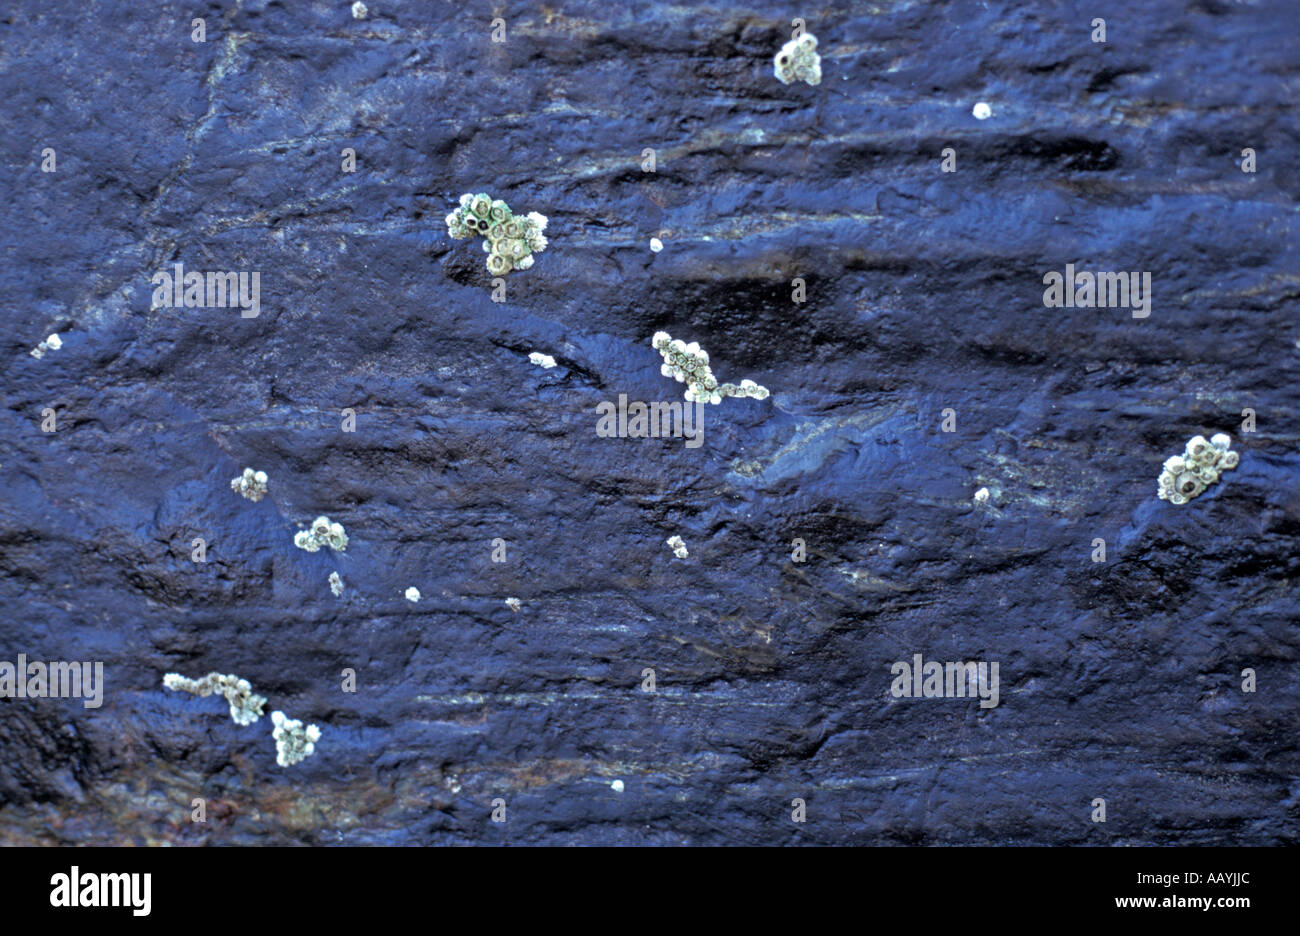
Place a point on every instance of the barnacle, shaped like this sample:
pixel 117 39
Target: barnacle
pixel 293 742
pixel 1188 475
pixel 509 240
pixel 798 61
pixel 245 705
pixel 322 533
pixel 51 343
pixel 1187 484
pixel 251 484
pixel 689 364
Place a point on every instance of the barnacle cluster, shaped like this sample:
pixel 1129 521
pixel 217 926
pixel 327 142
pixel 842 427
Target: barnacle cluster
pixel 510 240
pixel 293 742
pixel 251 484
pixel 798 61
pixel 1186 476
pixel 321 533
pixel 245 705
pixel 52 343
pixel 678 546
pixel 689 364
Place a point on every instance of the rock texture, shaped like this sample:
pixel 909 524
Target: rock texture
pixel 1120 679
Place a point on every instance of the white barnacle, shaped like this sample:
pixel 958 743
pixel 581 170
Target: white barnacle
pixel 293 742
pixel 508 241
pixel 798 60
pixel 1201 465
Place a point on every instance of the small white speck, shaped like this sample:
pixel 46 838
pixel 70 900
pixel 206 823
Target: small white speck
pixel 359 10
pixel 982 496
pixel 541 360
pixel 514 604
pixel 982 111
pixel 413 594
pixel 656 245
pixel 617 786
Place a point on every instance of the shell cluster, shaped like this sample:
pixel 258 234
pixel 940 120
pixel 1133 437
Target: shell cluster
pixel 52 343
pixel 678 546
pixel 293 742
pixel 689 364
pixel 245 705
pixel 510 240
pixel 251 484
pixel 1186 476
pixel 321 533
pixel 798 61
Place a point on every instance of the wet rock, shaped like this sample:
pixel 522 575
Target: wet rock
pixel 379 385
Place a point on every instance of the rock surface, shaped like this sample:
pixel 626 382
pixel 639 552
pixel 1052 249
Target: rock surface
pixel 1120 679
